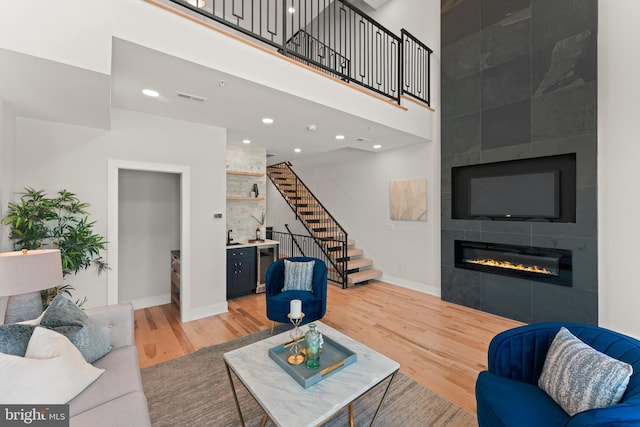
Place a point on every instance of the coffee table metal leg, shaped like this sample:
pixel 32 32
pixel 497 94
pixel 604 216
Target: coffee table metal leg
pixel 351 424
pixel 384 396
pixel 235 395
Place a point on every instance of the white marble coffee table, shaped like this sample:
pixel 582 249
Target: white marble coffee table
pixel 286 402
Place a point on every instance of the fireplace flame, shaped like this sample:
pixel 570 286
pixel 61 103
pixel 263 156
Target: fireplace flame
pixel 511 266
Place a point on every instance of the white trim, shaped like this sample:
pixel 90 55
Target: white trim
pixel 113 167
pixel 151 301
pixel 211 310
pixel 416 286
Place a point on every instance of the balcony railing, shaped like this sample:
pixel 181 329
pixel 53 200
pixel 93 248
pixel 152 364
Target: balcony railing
pixel 416 75
pixel 331 35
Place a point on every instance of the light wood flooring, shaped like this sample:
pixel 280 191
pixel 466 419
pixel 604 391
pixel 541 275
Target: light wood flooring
pixel 441 345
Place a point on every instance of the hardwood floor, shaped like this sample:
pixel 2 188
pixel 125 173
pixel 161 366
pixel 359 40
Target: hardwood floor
pixel 441 345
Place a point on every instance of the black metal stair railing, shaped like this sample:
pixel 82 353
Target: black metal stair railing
pixel 304 45
pixel 292 245
pixel 329 235
pixel 331 35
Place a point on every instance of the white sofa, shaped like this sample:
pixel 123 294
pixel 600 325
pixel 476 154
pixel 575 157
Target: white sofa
pixel 116 398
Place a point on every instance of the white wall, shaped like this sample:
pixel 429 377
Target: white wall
pixel 7 178
pixel 54 156
pixel 618 172
pixel 7 168
pixel 354 186
pixel 148 229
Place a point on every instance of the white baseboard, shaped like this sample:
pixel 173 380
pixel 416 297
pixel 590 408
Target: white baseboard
pixel 194 314
pixel 210 310
pixel 416 286
pixel 151 301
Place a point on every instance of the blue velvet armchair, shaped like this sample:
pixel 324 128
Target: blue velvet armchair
pixel 314 304
pixel 507 393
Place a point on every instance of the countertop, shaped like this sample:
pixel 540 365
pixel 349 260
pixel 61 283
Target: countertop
pixel 249 244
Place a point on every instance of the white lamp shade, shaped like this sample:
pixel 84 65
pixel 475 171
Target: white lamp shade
pixel 33 271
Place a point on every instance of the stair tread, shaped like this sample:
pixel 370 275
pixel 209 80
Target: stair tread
pixel 351 252
pixel 321 224
pixel 363 275
pixel 335 243
pixel 359 263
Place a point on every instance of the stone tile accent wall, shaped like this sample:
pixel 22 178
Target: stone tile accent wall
pixel 239 212
pixel 519 80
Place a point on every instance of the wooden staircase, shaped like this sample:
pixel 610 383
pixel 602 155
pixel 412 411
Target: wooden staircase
pixel 345 261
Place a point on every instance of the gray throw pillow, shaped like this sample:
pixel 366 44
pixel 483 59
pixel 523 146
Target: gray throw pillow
pixel 14 338
pixel 578 377
pixel 298 276
pixel 65 317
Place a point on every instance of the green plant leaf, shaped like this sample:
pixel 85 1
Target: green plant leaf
pixel 37 220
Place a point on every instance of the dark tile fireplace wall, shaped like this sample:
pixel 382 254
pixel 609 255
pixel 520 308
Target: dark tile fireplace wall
pixel 519 80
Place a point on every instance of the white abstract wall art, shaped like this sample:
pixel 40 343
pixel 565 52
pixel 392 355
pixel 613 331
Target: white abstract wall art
pixel 408 200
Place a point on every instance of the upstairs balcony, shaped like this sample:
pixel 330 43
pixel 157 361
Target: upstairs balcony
pixel 173 47
pixel 332 36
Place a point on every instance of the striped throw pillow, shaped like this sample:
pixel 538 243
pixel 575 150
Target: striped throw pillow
pixel 298 276
pixel 578 377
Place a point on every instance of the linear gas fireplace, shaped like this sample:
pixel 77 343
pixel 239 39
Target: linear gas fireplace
pixel 541 264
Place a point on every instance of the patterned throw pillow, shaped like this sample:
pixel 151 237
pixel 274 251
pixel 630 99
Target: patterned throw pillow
pixel 65 317
pixel 578 377
pixel 298 276
pixel 14 338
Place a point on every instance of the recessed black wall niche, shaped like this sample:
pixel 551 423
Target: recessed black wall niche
pixel 534 189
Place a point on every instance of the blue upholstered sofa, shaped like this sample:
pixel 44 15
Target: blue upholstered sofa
pixel 507 393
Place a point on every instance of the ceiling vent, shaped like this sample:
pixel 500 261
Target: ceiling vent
pixel 190 97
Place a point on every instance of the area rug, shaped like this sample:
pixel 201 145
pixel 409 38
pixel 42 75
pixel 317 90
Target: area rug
pixel 194 390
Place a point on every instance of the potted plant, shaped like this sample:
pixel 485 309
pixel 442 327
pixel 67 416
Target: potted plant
pixel 61 222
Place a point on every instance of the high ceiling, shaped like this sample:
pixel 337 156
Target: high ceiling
pixel 47 90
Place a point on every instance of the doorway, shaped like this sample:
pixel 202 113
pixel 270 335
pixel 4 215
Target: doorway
pixel 148 230
pixel 121 248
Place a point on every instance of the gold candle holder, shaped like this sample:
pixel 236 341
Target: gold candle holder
pixel 295 357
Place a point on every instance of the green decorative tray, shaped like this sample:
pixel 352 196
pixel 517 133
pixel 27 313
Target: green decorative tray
pixel 333 358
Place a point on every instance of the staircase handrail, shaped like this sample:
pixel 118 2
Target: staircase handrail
pixel 298 180
pixel 343 242
pixel 344 61
pixel 294 239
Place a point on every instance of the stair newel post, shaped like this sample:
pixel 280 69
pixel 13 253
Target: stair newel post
pixel 345 281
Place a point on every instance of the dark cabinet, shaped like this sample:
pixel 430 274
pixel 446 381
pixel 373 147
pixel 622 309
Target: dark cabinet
pixel 241 271
pixel 175 277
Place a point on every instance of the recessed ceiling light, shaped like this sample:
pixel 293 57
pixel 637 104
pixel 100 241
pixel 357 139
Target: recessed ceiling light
pixel 150 92
pixel 339 137
pixel 291 10
pixel 312 128
pixel 377 146
pixel 267 120
pixel 222 83
pixel 297 150
pixel 246 141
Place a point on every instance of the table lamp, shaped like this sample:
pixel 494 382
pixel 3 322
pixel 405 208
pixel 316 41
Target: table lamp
pixel 23 274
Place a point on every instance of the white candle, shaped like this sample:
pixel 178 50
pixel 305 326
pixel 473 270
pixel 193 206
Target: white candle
pixel 295 308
